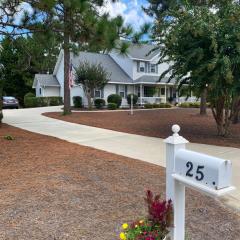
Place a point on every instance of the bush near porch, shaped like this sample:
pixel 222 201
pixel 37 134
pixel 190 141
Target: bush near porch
pixel 189 105
pixel 157 105
pixel 115 98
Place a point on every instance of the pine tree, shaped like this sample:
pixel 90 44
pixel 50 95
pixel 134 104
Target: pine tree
pixel 78 23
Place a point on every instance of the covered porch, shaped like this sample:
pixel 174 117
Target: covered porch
pixel 155 93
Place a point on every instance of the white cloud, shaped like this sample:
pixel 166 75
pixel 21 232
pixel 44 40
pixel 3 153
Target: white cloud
pixel 23 7
pixel 131 12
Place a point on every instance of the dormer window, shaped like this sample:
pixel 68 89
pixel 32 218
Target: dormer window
pixel 141 66
pixel 153 68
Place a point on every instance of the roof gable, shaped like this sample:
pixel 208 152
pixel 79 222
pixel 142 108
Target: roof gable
pixel 117 75
pixel 142 51
pixel 45 80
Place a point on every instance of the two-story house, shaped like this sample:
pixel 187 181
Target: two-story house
pixel 137 72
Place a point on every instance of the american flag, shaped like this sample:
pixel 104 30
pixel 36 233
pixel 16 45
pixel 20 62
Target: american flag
pixel 70 77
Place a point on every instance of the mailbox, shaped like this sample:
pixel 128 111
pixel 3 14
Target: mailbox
pixel 214 173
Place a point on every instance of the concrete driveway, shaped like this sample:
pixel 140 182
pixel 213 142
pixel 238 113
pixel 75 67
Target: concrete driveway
pixel 147 149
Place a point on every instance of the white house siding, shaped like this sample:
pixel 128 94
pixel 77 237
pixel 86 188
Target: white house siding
pixel 37 90
pixel 60 77
pixel 51 92
pixel 78 91
pixel 108 90
pixel 161 68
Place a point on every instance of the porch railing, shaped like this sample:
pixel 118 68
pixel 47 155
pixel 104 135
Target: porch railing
pixel 144 100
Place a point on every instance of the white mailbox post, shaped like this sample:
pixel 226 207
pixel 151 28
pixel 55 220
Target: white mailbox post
pixel 207 174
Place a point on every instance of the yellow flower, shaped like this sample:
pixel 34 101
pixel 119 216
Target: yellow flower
pixel 125 226
pixel 122 236
pixel 136 226
pixel 141 221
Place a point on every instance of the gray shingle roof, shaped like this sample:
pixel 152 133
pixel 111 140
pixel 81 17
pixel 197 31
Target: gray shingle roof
pixel 141 51
pixel 117 74
pixel 153 79
pixel 46 80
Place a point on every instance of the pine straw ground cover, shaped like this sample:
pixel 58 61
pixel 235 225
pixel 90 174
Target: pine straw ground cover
pixel 52 189
pixel 157 123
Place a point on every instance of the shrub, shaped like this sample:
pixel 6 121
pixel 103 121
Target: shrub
pixel 112 106
pixel 9 137
pixel 190 105
pixel 99 103
pixel 28 95
pixel 31 102
pixel 148 105
pixel 156 225
pixel 156 105
pixel 195 104
pixel 77 101
pixel 165 105
pixel 42 101
pixel 115 98
pixel 135 99
pixel 55 101
pixel 184 105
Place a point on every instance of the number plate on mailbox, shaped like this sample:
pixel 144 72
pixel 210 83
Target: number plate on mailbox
pixel 212 172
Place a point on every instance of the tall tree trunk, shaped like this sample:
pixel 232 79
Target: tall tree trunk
pixel 67 103
pixel 218 113
pixel 89 98
pixel 203 105
pixel 236 111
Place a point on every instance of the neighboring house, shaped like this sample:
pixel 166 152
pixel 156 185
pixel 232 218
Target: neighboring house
pixel 137 72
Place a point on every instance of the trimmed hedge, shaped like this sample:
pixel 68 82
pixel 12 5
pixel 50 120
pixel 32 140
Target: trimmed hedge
pixel 32 102
pixel 135 99
pixel 157 105
pixel 115 98
pixel 189 105
pixel 99 103
pixel 112 106
pixel 148 105
pixel 28 95
pixel 77 101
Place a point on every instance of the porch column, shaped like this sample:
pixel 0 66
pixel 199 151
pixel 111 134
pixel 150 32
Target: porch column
pixel 165 93
pixel 177 96
pixel 141 93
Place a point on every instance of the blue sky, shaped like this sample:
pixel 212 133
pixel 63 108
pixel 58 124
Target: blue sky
pixel 130 10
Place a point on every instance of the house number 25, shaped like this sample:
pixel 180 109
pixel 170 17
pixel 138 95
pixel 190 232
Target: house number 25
pixel 199 174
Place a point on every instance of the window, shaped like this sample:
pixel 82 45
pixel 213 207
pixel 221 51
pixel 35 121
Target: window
pixel 97 93
pixel 141 66
pixel 40 91
pixel 153 68
pixel 122 91
pixel 149 91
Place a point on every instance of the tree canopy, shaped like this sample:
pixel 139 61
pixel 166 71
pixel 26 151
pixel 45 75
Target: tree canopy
pixel 91 76
pixel 79 25
pixel 202 47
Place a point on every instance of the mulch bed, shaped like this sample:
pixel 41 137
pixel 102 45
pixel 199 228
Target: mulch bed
pixel 157 123
pixel 52 189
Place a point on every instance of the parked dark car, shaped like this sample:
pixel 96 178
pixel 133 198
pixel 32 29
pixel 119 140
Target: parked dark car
pixel 10 102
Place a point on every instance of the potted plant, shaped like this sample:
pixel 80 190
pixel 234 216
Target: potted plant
pixel 155 226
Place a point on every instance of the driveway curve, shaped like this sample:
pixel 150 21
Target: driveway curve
pixel 148 149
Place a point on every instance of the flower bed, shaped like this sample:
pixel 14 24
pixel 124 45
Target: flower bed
pixel 155 226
